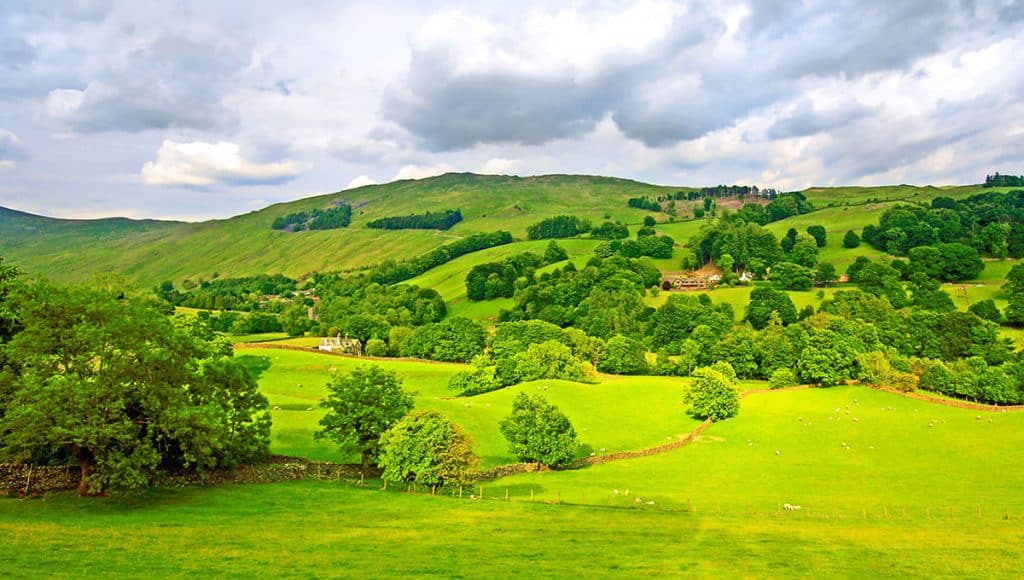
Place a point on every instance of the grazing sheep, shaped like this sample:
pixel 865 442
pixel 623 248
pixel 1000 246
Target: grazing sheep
pixel 790 507
pixel 602 450
pixel 625 492
pixel 650 503
pixel 616 491
pixel 276 408
pixel 299 385
pixel 777 452
pixel 309 408
pixel 856 420
pixel 638 499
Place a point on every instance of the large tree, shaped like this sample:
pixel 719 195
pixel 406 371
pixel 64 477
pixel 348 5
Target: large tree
pixel 425 447
pixel 110 382
pixel 361 406
pixel 714 394
pixel 538 432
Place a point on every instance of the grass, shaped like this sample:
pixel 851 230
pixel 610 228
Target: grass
pixel 308 528
pixel 616 414
pixel 894 460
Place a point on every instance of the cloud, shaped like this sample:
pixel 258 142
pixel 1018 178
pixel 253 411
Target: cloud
pixel 172 82
pixel 11 149
pixel 806 119
pixel 201 164
pixel 422 171
pixel 360 181
pixel 499 166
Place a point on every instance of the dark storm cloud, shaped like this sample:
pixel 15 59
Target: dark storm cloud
pixel 172 83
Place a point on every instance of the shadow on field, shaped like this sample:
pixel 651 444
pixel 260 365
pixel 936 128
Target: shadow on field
pixel 256 365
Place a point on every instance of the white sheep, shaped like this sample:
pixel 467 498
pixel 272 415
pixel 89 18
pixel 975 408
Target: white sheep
pixel 790 507
pixel 638 500
pixel 616 491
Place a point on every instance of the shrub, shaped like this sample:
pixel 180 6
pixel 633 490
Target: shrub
pixel 538 432
pixel 425 447
pixel 782 378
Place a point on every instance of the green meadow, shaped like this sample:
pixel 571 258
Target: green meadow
pixel 888 486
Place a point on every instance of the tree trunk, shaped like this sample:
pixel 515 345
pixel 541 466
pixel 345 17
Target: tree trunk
pixel 366 459
pixel 83 484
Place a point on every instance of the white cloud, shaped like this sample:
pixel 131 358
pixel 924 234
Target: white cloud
pixel 360 181
pixel 62 103
pixel 199 164
pixel 422 171
pixel 499 166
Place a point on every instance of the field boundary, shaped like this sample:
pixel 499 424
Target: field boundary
pixel 948 402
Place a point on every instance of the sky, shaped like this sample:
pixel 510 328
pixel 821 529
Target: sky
pixel 207 109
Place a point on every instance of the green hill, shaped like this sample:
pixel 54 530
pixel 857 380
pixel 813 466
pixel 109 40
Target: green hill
pixel 149 251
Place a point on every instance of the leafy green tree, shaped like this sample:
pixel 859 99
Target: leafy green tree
pixel 739 349
pixel 649 221
pixel 538 432
pixel 295 319
pixel 789 240
pixel 851 239
pixel 818 233
pixel 804 252
pixel 826 274
pixel 427 448
pixel 790 276
pixel 376 347
pixel 624 356
pixel 362 405
pixel 554 253
pixel 547 360
pixel 829 356
pixel 714 394
pixel 1014 289
pixel 454 339
pixel 986 310
pixel 765 302
pixel 479 380
pixel 106 380
pixel 883 280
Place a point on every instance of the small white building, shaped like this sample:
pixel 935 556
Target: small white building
pixel 345 345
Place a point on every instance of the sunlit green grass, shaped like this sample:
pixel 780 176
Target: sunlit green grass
pixel 788 447
pixel 316 529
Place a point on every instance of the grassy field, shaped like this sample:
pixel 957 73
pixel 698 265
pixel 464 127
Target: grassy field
pixel 317 529
pixel 845 449
pixel 615 414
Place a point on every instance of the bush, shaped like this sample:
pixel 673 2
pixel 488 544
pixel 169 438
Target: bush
pixel 851 239
pixel 561 226
pixel 782 378
pixel 376 347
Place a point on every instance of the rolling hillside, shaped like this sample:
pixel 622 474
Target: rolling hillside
pixel 148 251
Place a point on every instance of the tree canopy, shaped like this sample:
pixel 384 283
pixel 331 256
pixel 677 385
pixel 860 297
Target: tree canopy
pixel 538 432
pixel 107 380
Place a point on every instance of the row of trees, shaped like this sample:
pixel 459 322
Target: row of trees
pixel 392 272
pixel 992 223
pixel 369 413
pixel 560 226
pixel 339 216
pixel 442 220
pixel 245 293
pixel 997 180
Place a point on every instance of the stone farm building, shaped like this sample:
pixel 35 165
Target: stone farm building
pixel 343 345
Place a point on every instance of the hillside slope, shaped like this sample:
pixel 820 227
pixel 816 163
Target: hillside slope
pixel 148 251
